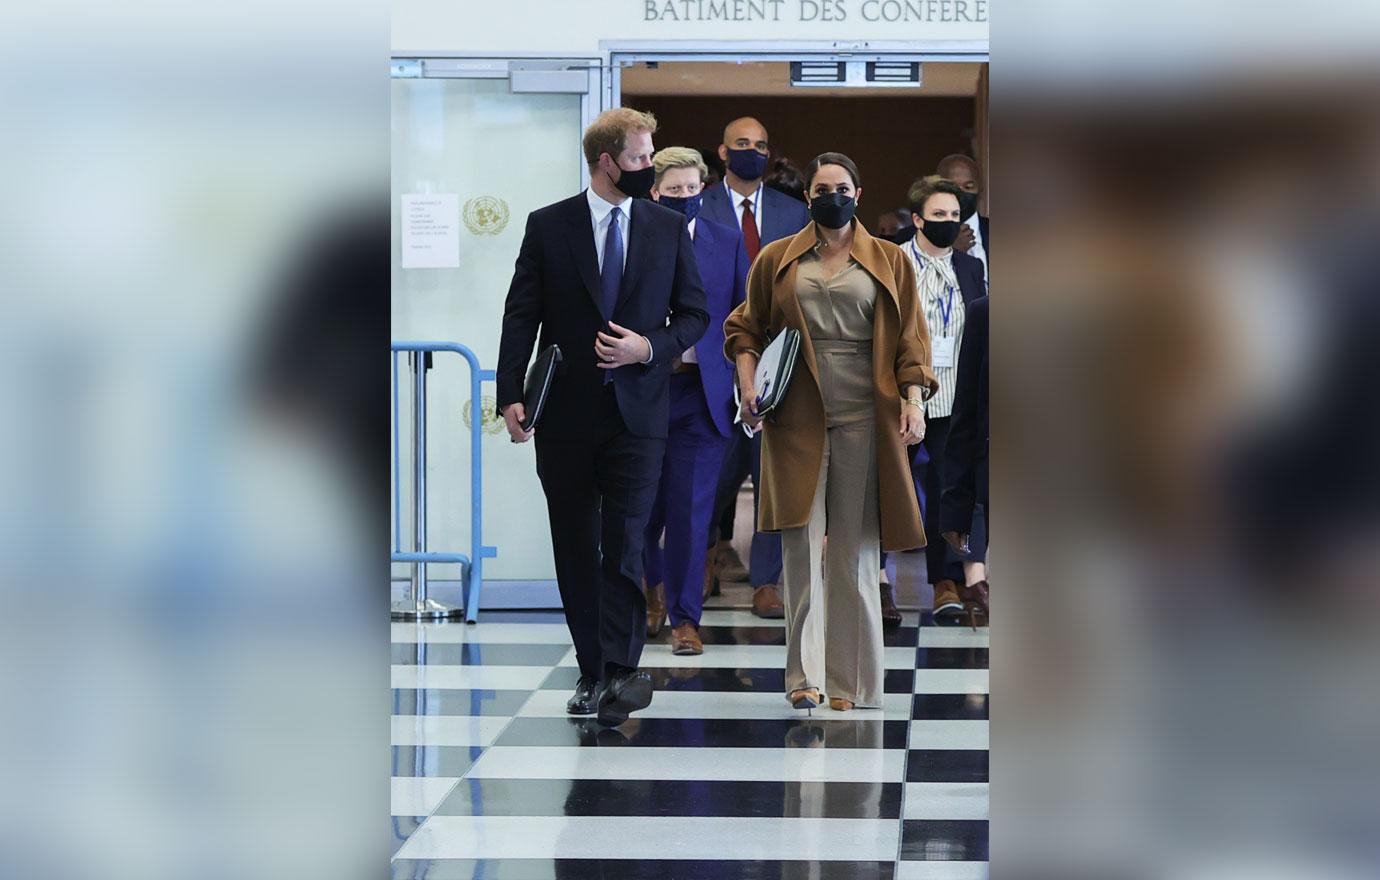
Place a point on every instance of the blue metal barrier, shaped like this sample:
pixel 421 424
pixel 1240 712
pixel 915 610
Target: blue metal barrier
pixel 420 605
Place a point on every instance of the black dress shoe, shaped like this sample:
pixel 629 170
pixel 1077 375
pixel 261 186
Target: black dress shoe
pixel 585 700
pixel 624 693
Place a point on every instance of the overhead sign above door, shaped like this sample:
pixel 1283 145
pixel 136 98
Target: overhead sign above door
pixel 578 27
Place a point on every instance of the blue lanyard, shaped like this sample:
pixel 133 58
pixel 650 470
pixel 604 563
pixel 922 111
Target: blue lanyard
pixel 945 308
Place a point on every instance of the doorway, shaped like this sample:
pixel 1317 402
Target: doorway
pixel 896 132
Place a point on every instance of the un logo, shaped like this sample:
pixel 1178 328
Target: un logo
pixel 486 215
pixel 489 421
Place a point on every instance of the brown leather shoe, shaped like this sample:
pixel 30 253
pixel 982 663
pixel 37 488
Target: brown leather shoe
pixel 685 639
pixel 766 602
pixel 711 581
pixel 656 610
pixel 838 704
pixel 948 608
pixel 975 603
pixel 891 615
pixel 728 565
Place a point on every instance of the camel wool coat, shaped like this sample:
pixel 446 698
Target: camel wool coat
pixel 793 440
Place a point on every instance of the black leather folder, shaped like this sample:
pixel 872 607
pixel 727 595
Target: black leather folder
pixel 540 377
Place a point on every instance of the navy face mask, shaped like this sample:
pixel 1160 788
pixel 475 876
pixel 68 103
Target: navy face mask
pixel 687 205
pixel 832 210
pixel 747 164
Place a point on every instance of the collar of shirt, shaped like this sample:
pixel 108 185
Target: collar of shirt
pixel 977 227
pixel 692 227
pixel 600 209
pixel 738 198
pixel 921 258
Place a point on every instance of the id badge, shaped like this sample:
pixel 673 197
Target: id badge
pixel 944 351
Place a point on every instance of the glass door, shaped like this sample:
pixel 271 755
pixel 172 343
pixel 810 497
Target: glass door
pixel 477 144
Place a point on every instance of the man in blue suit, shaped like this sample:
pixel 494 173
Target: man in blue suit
pixel 762 215
pixel 702 410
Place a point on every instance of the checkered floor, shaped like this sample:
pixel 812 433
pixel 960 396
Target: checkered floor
pixel 718 778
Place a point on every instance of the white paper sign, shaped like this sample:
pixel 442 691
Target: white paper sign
pixel 430 230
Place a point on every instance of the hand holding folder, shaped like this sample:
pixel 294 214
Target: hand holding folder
pixel 540 377
pixel 774 370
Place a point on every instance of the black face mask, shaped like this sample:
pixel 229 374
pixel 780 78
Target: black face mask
pixel 687 205
pixel 637 184
pixel 832 210
pixel 967 205
pixel 941 233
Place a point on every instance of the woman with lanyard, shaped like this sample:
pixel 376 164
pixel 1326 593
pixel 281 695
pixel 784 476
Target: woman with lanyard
pixel 945 281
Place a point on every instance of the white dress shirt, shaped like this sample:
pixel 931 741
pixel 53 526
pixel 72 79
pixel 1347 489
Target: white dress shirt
pixel 688 356
pixel 600 213
pixel 737 200
pixel 977 250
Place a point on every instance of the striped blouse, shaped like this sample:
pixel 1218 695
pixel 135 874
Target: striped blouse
pixel 942 305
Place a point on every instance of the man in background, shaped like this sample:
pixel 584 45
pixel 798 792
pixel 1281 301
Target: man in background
pixel 763 215
pixel 973 238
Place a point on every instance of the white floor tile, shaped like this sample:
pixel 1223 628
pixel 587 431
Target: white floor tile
pixel 447 730
pixel 952 681
pixel 941 871
pixel 763 765
pixel 951 637
pixel 418 796
pixel 652 837
pixel 947 800
pixel 724 704
pixel 736 617
pixel 483 633
pixel 470 677
pixel 948 734
pixel 743 657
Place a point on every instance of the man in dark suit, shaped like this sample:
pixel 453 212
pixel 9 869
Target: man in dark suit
pixel 973 239
pixel 611 278
pixel 702 413
pixel 762 215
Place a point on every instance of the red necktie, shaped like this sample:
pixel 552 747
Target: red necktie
pixel 750 237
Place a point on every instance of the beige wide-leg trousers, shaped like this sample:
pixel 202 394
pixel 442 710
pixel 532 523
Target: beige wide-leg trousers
pixel 832 596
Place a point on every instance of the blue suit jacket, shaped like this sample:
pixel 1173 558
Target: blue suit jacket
pixel 782 216
pixel 723 265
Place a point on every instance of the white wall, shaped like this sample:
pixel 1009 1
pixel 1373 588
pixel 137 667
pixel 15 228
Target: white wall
pixel 576 27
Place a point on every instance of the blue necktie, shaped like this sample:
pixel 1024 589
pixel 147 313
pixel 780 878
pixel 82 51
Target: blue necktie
pixel 611 274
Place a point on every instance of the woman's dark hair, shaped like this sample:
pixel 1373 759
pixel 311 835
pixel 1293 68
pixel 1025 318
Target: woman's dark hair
pixel 785 177
pixel 838 159
pixel 922 189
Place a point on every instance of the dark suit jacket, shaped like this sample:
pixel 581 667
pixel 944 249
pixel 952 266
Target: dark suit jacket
pixel 555 289
pixel 964 468
pixel 723 266
pixel 971 283
pixel 782 215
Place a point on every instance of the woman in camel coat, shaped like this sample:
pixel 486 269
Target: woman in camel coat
pixel 835 450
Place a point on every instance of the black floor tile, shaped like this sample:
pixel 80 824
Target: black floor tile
pixel 704 678
pixel 949 706
pixel 946 765
pixel 612 869
pixel 619 797
pixel 706 733
pixel 951 658
pixel 959 840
